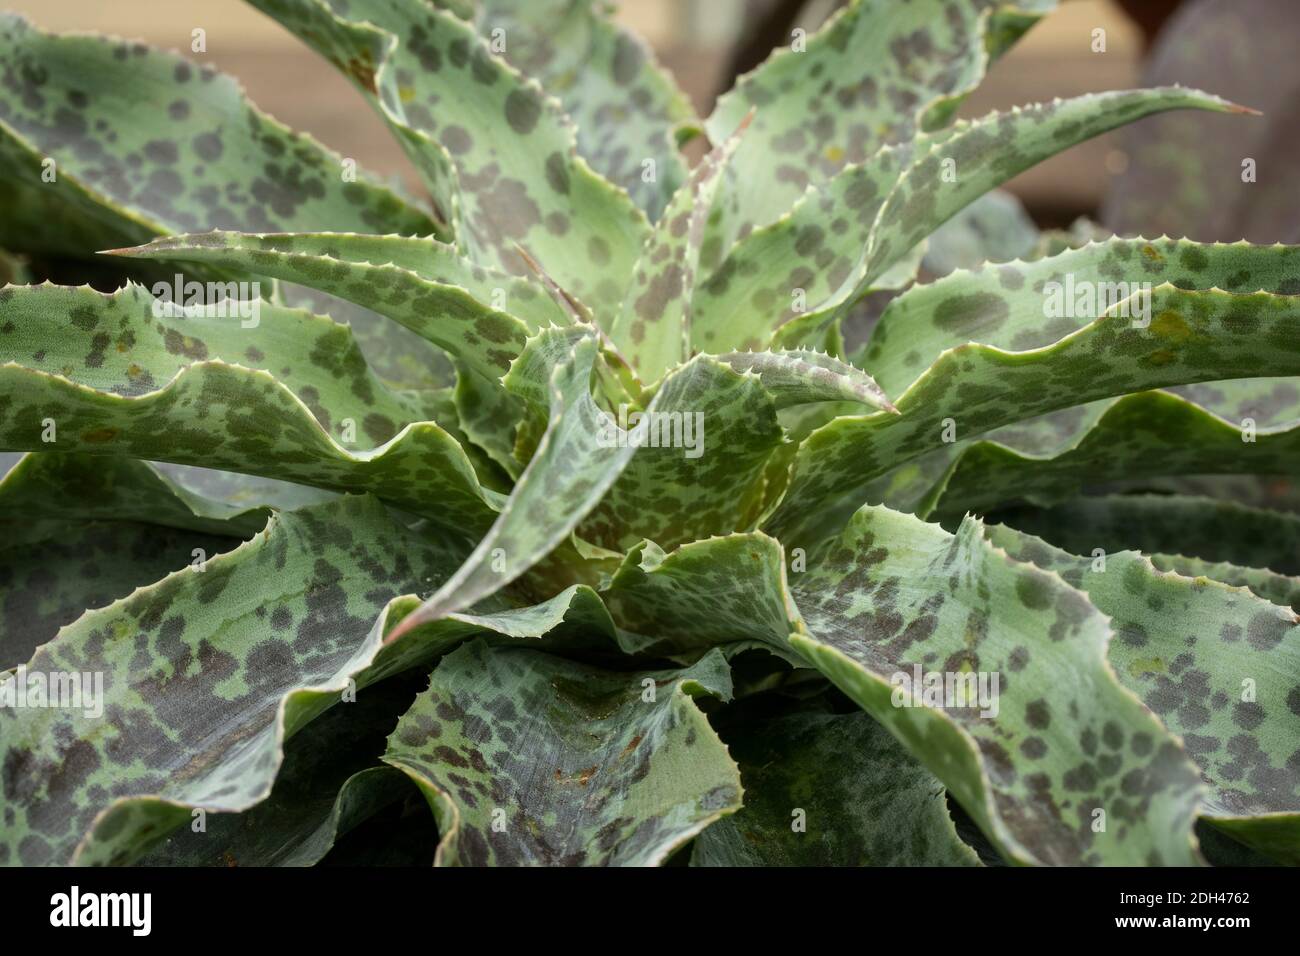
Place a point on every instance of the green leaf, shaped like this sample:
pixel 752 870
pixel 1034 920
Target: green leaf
pixel 859 796
pixel 706 477
pixel 1150 433
pixel 201 390
pixel 947 171
pixel 230 488
pixel 1218 666
pixel 196 672
pixel 145 142
pixel 72 488
pixel 48 583
pixel 719 591
pixel 1012 306
pixel 1283 590
pixel 454 318
pixel 973 388
pixel 653 328
pixel 1195 526
pixel 630 768
pixel 607 80
pixel 83 531
pixel 892 592
pixel 569 472
pixel 206 673
pixel 892 595
pixel 802 376
pixel 873 75
pixel 497 153
pixel 329 783
pixel 399 357
pixel 799 262
pixel 585 474
pixel 798 275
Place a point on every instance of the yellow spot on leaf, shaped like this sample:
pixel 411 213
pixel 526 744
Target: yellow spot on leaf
pixel 1152 665
pixel 99 435
pixel 834 154
pixel 1152 253
pixel 1172 326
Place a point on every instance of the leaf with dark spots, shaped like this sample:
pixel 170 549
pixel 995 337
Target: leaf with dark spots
pixel 1138 436
pixel 802 376
pixel 82 531
pixel 330 783
pixel 433 73
pixel 199 695
pixel 145 403
pixel 566 477
pixel 653 329
pixel 119 182
pixel 1040 806
pixel 974 388
pixel 633 768
pixel 944 172
pixel 1196 527
pixel 464 310
pixel 876 74
pixel 831 790
pixel 1227 696
pixel 607 81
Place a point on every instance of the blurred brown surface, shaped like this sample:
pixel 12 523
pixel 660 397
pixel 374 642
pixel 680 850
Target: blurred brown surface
pixel 693 38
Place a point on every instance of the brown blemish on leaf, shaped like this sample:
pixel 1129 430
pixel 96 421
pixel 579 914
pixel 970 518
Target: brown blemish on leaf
pixel 1171 325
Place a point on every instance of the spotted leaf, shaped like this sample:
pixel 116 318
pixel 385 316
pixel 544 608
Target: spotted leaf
pixel 946 171
pixel 802 376
pixel 1195 526
pixel 1061 765
pixel 1150 433
pixel 653 329
pixel 499 155
pixel 831 790
pixel 205 673
pixel 146 143
pixel 973 388
pixel 102 374
pixel 632 769
pixel 877 73
pixel 461 321
pixel 1219 666
pixel 630 114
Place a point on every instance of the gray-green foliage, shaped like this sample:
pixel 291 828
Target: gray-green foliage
pixel 564 529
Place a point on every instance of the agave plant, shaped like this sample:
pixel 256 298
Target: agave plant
pixel 550 520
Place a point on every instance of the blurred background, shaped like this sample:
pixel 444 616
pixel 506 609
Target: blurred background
pixel 1213 44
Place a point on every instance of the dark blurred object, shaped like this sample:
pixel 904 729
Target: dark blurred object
pixel 1184 170
pixel 1150 15
pixel 767 26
